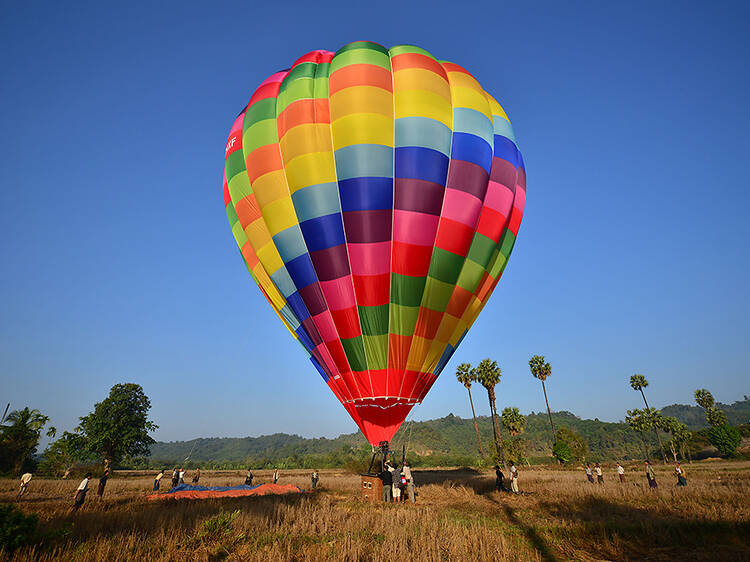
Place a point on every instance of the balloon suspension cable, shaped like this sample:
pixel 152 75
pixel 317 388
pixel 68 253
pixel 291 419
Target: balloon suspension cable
pixel 5 413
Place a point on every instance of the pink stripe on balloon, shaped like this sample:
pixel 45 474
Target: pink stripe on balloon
pixel 414 228
pixel 339 293
pixel 499 197
pixel 370 259
pixel 461 207
pixel 324 323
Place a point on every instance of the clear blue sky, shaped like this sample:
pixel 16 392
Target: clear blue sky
pixel 118 264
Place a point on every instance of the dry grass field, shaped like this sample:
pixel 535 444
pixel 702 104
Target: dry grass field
pixel 458 516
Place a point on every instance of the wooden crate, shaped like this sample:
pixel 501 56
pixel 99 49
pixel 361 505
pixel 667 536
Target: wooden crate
pixel 372 488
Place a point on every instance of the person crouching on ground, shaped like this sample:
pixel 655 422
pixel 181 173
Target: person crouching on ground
pixel 157 480
pixel 621 472
pixel 513 478
pixel 25 479
pixel 599 476
pixel 680 472
pixel 80 495
pixel 651 476
pixel 386 478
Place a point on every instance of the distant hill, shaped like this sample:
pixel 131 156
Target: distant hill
pixel 445 438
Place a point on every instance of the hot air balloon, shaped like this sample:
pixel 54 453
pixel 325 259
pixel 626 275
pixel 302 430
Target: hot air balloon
pixel 375 195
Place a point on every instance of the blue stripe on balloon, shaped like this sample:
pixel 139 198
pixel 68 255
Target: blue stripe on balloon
pixel 424 132
pixel 506 149
pixel 300 310
pixel 323 232
pixel 422 164
pixel 364 160
pixel 471 148
pixel 467 120
pixel 366 194
pixel 301 271
pixel 289 243
pixel 315 201
pixel 304 338
pixel 319 368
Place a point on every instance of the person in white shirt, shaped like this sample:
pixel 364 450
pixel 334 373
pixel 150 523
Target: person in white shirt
pixel 621 472
pixel 80 495
pixel 598 471
pixel 513 478
pixel 25 479
pixel 181 476
pixel 406 471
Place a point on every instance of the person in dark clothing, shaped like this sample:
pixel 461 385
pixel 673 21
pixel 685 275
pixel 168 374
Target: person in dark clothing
pixel 102 484
pixel 500 480
pixel 385 476
pixel 196 476
pixel 175 477
pixel 249 478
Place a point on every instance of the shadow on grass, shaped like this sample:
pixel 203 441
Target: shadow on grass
pixel 596 524
pixel 182 516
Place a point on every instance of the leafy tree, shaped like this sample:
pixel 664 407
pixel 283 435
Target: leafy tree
pixel 61 455
pixel 714 416
pixel 488 375
pixel 541 369
pixel 513 421
pixel 466 375
pixel 19 438
pixel 118 426
pixel 575 443
pixel 639 382
pixel 562 452
pixel 725 438
pixel 639 421
pixel 704 398
pixel 679 432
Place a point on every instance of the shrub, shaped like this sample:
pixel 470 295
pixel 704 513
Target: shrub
pixel 725 438
pixel 16 528
pixel 562 452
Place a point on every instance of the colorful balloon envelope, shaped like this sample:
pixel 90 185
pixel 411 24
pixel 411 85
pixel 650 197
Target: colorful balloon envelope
pixel 375 195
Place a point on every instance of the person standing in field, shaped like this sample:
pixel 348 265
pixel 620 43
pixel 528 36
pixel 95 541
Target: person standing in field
pixel 513 478
pixel 396 483
pixel 275 475
pixel 385 477
pixel 80 495
pixel 621 472
pixel 680 472
pixel 589 474
pixel 196 476
pixel 249 478
pixel 102 484
pixel 157 480
pixel 651 476
pixel 599 476
pixel 314 477
pixel 25 479
pixel 406 471
pixel 175 477
pixel 181 476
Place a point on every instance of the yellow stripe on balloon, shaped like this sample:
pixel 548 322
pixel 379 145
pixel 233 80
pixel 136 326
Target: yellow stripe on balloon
pixel 363 128
pixel 352 100
pixel 420 103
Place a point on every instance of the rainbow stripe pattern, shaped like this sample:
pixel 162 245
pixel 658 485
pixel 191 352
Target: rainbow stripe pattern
pixel 375 196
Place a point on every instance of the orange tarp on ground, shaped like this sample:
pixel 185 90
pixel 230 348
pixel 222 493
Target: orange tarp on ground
pixel 262 490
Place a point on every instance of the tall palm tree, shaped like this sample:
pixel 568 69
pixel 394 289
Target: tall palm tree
pixel 541 370
pixel 466 375
pixel 639 382
pixel 488 375
pixel 21 434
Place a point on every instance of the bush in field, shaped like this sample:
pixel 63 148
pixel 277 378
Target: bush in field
pixel 17 529
pixel 562 452
pixel 725 438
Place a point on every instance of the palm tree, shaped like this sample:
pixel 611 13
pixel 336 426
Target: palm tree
pixel 541 370
pixel 21 434
pixel 639 382
pixel 488 375
pixel 466 375
pixel 638 421
pixel 513 422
